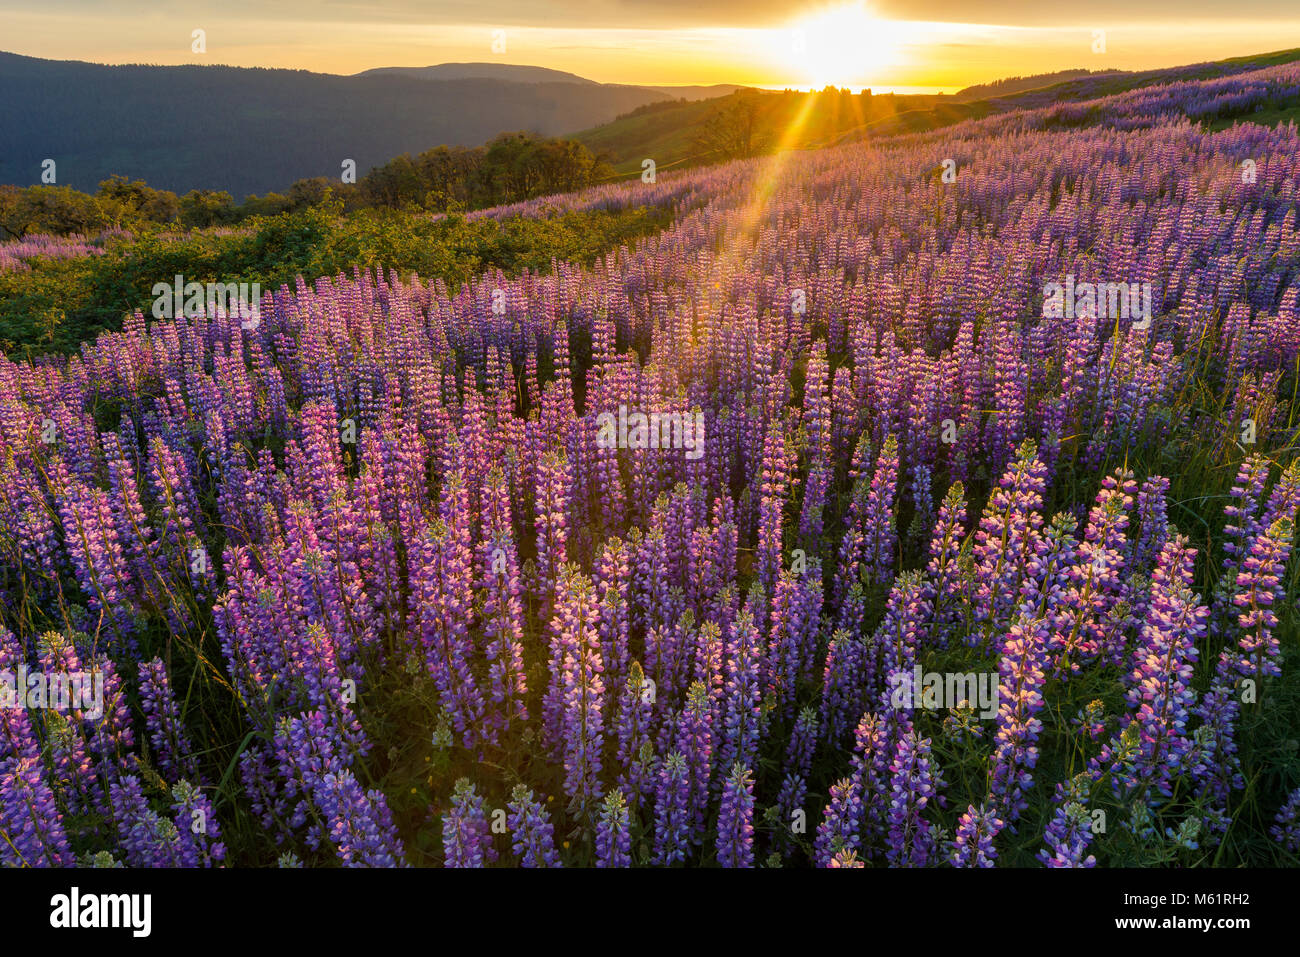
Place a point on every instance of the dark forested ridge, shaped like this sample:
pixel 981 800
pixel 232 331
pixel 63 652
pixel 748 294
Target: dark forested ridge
pixel 251 130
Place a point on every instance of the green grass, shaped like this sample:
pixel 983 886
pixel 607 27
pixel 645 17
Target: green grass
pixel 1274 117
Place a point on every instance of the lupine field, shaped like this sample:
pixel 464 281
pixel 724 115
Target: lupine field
pixel 365 587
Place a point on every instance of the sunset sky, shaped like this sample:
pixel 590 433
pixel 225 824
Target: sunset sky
pixel 885 44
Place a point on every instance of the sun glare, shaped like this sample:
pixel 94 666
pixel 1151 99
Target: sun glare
pixel 841 46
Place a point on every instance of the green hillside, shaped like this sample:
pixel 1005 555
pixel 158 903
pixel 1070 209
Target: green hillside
pixel 674 135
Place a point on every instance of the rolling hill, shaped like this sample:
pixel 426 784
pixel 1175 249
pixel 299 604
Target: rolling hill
pixel 796 120
pixel 256 130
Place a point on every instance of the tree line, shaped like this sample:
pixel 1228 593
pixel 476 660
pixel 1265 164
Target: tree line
pixel 510 168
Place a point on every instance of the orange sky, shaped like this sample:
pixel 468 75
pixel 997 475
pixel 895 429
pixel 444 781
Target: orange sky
pixel 764 43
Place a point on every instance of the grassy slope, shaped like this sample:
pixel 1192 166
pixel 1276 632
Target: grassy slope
pixel 668 136
pixel 1265 118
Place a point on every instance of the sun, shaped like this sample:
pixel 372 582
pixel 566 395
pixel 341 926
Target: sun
pixel 841 45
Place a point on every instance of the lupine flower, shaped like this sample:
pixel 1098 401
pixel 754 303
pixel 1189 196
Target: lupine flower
pixel 672 810
pixel 1008 537
pixel 31 822
pixel 838 832
pixel 634 729
pixel 1070 829
pixel 578 689
pixel 466 837
pixel 1021 670
pixel 1286 830
pixel 198 830
pixel 613 833
pixel 973 844
pixel 735 819
pixel 1160 682
pixel 532 835
pixel 913 785
pixel 173 752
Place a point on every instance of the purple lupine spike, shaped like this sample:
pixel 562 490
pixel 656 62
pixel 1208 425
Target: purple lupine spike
pixel 672 833
pixel 1216 767
pixel 853 544
pixel 839 830
pixel 1242 511
pixel 792 642
pixel 441 583
pixel 1286 827
pixel 945 546
pixel 532 835
pixel 903 630
pixel 798 767
pixel 198 830
pixel 708 670
pixel 922 500
pixel 96 554
pixel 613 578
pixel 1068 833
pixel 360 824
pixel 466 837
pixel 694 741
pixel 1021 670
pixel 147 839
pixel 870 764
pixel 1007 538
pixel 736 819
pixel 1153 520
pixel 843 683
pixel 63 724
pixel 972 846
pixel 635 730
pixel 880 536
pixel 1284 499
pixel 811 517
pixel 357 822
pixel 773 487
pixel 1159 685
pixel 132 525
pixel 1097 589
pixel 613 832
pixel 1045 591
pixel 580 688
pixel 803 742
pixel 29 818
pixel 173 753
pixel 552 526
pixel 502 610
pixel 742 713
pixel 1258 589
pixel 111 737
pixel 650 577
pixel 914 783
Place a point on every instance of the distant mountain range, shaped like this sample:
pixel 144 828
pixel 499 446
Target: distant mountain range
pixel 253 130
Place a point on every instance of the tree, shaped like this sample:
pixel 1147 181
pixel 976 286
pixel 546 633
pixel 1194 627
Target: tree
pixel 732 129
pixel 137 201
pixel 16 215
pixel 207 207
pixel 309 192
pixel 64 210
